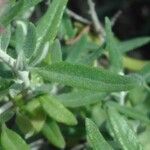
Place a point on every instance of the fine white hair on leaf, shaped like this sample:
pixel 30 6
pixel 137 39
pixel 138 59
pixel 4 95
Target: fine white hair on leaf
pixel 23 25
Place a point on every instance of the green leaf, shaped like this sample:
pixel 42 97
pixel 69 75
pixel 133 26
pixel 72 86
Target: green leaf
pixel 11 13
pixel 53 133
pixel 95 138
pixel 80 98
pixel 56 54
pixel 130 112
pixel 87 78
pixel 132 44
pixel 122 131
pixel 11 140
pixel 30 41
pixel 5 39
pixel 111 45
pixel 48 26
pixel 56 110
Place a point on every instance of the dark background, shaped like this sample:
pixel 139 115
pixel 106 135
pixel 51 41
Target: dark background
pixel 134 20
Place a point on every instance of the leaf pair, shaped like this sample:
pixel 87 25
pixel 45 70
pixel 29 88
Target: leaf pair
pixel 53 108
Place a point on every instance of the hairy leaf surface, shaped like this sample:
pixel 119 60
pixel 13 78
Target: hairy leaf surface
pixel 95 138
pixel 87 78
pixel 122 131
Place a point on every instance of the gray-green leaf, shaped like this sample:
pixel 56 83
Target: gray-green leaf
pixel 30 41
pixel 21 32
pixel 88 78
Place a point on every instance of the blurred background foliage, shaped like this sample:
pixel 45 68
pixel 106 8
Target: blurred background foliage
pixel 133 20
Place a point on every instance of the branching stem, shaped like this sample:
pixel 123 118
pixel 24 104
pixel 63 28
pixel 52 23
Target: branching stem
pixel 22 75
pixel 97 24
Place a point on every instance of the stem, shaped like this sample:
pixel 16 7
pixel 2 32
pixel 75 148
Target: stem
pixel 97 24
pixel 115 17
pixel 77 17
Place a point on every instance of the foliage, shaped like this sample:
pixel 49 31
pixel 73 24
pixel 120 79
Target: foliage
pixel 49 88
